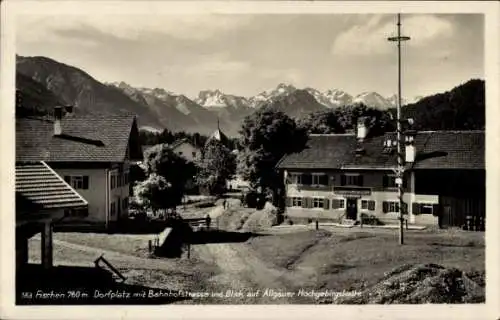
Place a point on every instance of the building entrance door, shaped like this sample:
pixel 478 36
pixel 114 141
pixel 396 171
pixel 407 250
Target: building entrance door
pixel 352 208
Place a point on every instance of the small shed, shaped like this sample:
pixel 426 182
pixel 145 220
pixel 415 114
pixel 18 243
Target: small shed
pixel 42 199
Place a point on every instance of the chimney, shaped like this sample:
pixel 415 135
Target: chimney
pixel 410 151
pixel 362 130
pixel 57 121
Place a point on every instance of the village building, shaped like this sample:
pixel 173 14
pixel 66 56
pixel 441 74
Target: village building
pixel 42 196
pixel 92 153
pixel 344 177
pixel 186 149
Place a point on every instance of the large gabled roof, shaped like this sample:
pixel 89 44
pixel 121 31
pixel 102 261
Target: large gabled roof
pixel 38 187
pixel 89 138
pixel 435 150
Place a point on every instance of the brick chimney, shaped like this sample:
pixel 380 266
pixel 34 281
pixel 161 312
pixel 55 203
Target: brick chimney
pixel 58 112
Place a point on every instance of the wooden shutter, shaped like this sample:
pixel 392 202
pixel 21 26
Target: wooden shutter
pixel 371 205
pixel 415 208
pixel 335 204
pixel 306 179
pixel 309 202
pixel 85 182
pixel 360 180
pixel 385 181
pixel 435 209
pixel 405 208
pixel 323 180
pixel 288 202
pixel 304 202
pixel 385 207
pixel 342 180
pixel 326 204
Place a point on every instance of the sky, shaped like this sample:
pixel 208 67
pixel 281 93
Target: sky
pixel 245 54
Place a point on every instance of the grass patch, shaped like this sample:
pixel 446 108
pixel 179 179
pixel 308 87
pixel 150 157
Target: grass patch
pixel 354 260
pixel 285 250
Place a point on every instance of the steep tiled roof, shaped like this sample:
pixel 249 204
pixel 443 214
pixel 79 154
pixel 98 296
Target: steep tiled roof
pixel 435 150
pixel 84 138
pixel 38 187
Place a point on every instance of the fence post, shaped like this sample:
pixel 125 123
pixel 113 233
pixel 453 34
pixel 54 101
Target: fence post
pixel 317 225
pixel 150 245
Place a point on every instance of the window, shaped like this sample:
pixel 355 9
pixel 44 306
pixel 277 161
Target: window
pixel 368 205
pixel 295 178
pixel 318 202
pixel 389 181
pixel 113 181
pixel 125 203
pixel 424 208
pixel 296 202
pixel 76 212
pixel 112 209
pixel 319 179
pixel 78 182
pixel 119 180
pixel 351 180
pixel 338 204
pixel 393 206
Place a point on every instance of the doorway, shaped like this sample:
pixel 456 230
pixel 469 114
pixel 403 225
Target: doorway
pixel 352 208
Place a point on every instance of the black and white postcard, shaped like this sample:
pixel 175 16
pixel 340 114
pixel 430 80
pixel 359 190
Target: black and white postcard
pixel 249 159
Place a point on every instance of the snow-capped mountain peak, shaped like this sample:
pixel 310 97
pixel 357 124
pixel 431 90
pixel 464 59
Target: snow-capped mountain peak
pixel 373 100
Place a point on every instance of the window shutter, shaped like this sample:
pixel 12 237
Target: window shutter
pixel 304 203
pixel 326 204
pixel 309 202
pixel 415 208
pixel 306 178
pixel 323 180
pixel 371 205
pixel 335 204
pixel 385 181
pixel 288 201
pixel 360 180
pixel 405 208
pixel 85 182
pixel 435 209
pixel 342 180
pixel 385 207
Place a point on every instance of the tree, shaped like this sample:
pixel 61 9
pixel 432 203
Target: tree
pixel 162 161
pixel 153 193
pixel 266 136
pixel 217 165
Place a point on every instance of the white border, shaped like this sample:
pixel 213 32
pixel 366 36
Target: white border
pixel 490 310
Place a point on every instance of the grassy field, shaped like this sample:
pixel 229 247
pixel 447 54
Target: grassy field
pixel 290 257
pixel 351 259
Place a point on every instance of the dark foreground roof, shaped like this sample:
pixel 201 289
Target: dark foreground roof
pixel 84 138
pixel 38 187
pixel 435 150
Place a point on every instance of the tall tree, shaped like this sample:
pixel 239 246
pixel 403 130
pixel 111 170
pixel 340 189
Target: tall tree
pixel 215 168
pixel 266 136
pixel 153 193
pixel 161 160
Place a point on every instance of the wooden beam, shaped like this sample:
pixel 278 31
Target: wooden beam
pixel 47 258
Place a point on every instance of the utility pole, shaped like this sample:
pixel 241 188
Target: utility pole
pixel 400 168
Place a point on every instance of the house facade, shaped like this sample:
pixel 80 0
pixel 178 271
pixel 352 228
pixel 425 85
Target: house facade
pixel 92 154
pixel 187 150
pixel 347 176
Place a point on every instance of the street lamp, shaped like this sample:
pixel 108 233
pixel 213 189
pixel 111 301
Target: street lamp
pixel 400 169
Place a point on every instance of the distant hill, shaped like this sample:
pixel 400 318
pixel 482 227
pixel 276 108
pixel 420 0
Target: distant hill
pixel 461 108
pixel 42 83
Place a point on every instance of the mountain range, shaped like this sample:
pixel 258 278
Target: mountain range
pixel 42 82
